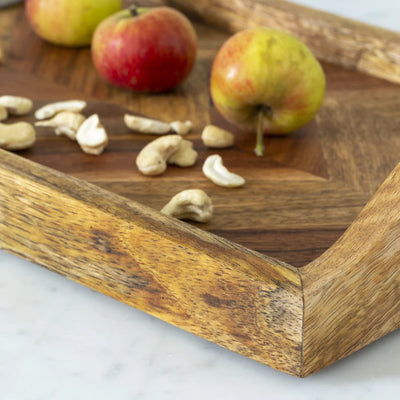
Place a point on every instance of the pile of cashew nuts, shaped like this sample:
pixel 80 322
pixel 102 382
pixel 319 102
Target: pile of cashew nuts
pixel 65 118
pixel 171 148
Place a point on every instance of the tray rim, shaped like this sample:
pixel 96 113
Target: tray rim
pixel 297 291
pixel 333 38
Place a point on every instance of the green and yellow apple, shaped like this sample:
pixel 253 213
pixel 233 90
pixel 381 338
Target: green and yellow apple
pixel 267 81
pixel 145 49
pixel 68 22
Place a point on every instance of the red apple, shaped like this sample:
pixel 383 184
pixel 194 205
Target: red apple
pixel 145 49
pixel 266 81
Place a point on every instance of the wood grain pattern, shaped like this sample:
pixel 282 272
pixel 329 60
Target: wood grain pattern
pixel 219 282
pixel 352 292
pixel 335 39
pixel 161 266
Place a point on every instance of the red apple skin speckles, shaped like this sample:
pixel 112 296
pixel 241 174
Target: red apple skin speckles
pixel 265 70
pixel 152 52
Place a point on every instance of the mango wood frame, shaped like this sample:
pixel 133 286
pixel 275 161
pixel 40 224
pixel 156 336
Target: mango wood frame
pixel 297 320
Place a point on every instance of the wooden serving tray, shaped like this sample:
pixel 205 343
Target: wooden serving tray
pixel 312 202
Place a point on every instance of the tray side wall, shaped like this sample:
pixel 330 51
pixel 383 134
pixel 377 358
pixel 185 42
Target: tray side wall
pixel 351 44
pixel 215 289
pixel 352 292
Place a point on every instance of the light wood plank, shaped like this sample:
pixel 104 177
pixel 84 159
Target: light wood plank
pixel 206 285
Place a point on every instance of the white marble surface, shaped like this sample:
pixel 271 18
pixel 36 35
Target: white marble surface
pixel 384 13
pixel 62 341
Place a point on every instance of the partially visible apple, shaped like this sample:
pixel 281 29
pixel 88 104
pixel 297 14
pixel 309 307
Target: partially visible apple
pixel 145 49
pixel 266 80
pixel 68 22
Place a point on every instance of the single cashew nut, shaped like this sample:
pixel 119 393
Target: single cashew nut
pixel 3 113
pixel 191 204
pixel 64 123
pixel 91 136
pixel 181 128
pixel 51 109
pixel 214 170
pixel 16 105
pixel 152 160
pixel 185 155
pixel 18 136
pixel 146 125
pixel 216 137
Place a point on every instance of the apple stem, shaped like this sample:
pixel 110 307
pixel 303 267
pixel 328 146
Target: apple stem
pixel 259 150
pixel 133 10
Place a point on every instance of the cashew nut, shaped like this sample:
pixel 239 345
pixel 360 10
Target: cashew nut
pixel 181 128
pixel 184 156
pixel 152 160
pixel 18 136
pixel 16 105
pixel 146 125
pixel 3 113
pixel 216 137
pixel 92 136
pixel 191 204
pixel 214 170
pixel 64 123
pixel 52 109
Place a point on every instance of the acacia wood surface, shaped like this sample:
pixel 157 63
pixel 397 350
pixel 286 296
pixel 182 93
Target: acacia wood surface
pixel 298 200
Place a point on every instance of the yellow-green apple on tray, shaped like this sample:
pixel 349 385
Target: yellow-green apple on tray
pixel 68 22
pixel 145 49
pixel 267 81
